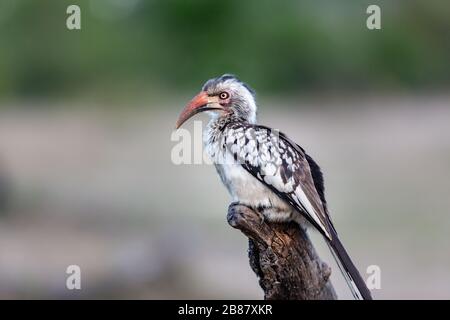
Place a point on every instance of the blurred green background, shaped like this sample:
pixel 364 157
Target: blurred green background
pixel 290 46
pixel 86 119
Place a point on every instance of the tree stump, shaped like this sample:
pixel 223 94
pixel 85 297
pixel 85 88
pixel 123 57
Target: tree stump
pixel 283 258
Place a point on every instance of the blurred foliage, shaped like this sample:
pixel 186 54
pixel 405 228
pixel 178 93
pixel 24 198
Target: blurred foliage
pixel 277 46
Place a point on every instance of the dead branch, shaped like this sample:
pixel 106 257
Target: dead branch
pixel 283 258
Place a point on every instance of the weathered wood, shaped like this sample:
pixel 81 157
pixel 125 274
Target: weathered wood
pixel 283 258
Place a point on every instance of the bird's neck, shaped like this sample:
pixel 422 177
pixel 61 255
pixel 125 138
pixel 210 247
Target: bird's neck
pixel 216 131
pixel 219 124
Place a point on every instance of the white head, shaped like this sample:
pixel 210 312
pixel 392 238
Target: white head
pixel 224 96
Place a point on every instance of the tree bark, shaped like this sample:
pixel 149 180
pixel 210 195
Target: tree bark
pixel 283 258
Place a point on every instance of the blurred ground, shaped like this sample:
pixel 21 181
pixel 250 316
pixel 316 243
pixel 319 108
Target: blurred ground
pixel 98 189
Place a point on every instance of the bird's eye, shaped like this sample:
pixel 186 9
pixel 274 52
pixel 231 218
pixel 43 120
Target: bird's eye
pixel 224 95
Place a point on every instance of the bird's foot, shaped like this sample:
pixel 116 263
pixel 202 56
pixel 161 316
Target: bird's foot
pixel 239 213
pixel 261 217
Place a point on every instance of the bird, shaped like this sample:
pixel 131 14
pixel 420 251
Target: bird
pixel 265 170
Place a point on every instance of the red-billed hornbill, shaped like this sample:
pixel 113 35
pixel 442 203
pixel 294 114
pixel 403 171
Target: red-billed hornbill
pixel 265 170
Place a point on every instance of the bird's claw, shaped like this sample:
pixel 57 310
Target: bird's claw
pixel 238 211
pixel 234 214
pixel 261 217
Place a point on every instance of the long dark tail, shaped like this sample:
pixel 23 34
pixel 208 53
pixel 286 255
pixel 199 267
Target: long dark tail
pixel 348 269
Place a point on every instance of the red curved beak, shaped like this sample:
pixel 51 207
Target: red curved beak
pixel 198 104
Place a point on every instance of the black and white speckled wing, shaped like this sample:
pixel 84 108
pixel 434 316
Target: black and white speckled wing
pixel 282 166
